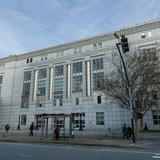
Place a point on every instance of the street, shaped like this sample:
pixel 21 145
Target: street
pixel 19 151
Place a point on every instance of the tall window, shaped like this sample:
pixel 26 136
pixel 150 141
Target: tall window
pixel 77 77
pixel 26 83
pixel 98 73
pixel 97 64
pixel 26 89
pixel 42 82
pixel 58 85
pixel 58 79
pixel 100 118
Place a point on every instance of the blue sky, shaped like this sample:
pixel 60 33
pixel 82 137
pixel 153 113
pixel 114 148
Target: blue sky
pixel 27 25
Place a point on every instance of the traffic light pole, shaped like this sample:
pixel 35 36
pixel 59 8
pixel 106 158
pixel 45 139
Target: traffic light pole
pixel 129 91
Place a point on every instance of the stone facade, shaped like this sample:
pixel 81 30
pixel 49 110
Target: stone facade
pixel 64 79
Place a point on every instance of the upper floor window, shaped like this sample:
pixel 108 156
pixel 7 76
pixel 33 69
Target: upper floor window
pixel 98 64
pixel 77 77
pixel 44 57
pixel 58 79
pixel 100 45
pixel 77 67
pixel 42 73
pixel 143 35
pixel 97 45
pixel 58 85
pixel 77 83
pixel 78 50
pixel 29 60
pixel 98 80
pixel 77 100
pixel 59 70
pixel 42 81
pixel 27 76
pixel 99 100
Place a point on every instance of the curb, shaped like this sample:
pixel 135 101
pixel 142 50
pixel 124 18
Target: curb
pixel 74 144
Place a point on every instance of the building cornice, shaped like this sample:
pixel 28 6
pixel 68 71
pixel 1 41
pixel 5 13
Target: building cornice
pixel 90 40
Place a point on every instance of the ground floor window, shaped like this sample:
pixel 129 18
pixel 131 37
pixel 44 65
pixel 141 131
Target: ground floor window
pixel 156 117
pixel 39 121
pixel 23 120
pixel 79 120
pixel 100 118
pixel 59 122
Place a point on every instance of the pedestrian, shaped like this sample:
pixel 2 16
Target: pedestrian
pixel 31 128
pixel 57 132
pixel 7 128
pixel 109 133
pixel 124 131
pixel 129 132
pixel 72 134
pixel 145 127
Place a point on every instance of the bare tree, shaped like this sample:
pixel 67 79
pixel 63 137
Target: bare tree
pixel 144 76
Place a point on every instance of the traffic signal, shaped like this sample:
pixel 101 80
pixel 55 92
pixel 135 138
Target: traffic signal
pixel 124 44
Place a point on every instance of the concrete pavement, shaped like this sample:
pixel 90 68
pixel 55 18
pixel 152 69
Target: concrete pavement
pixel 147 144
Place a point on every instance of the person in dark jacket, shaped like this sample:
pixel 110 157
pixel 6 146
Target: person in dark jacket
pixel 31 128
pixel 129 132
pixel 7 128
pixel 124 131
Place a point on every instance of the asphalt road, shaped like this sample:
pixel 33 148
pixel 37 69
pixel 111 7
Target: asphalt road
pixel 17 151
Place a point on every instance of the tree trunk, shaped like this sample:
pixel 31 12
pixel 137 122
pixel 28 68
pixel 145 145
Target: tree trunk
pixel 139 126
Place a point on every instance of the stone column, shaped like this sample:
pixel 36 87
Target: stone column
pixel 68 80
pixel 88 78
pixel 35 85
pixel 51 83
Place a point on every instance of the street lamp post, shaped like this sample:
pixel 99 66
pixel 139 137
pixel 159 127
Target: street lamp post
pixel 129 86
pixel 80 114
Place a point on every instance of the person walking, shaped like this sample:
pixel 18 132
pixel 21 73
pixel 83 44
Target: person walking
pixel 31 128
pixel 124 131
pixel 129 132
pixel 57 132
pixel 7 128
pixel 109 133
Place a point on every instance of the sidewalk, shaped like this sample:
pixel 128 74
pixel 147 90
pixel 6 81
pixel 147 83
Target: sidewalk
pixel 85 141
